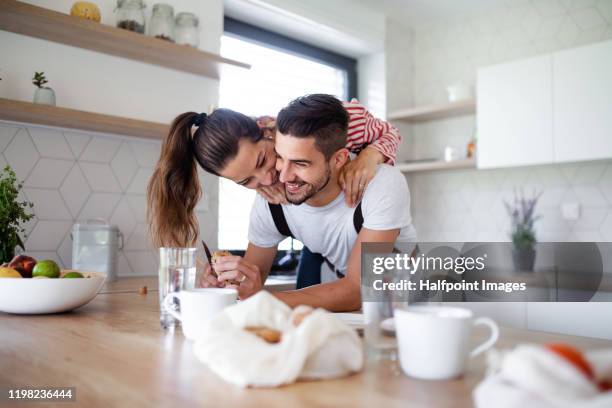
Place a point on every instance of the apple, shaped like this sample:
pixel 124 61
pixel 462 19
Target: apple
pixel 23 264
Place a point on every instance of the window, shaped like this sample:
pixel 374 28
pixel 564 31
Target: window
pixel 277 76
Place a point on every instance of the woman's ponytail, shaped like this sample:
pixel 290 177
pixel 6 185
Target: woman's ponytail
pixel 174 189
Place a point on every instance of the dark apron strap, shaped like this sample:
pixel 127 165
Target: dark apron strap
pixel 278 216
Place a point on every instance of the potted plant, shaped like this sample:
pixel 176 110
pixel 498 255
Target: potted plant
pixel 43 95
pixel 13 213
pixel 523 234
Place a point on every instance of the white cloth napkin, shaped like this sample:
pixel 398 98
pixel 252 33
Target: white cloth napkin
pixel 535 377
pixel 320 347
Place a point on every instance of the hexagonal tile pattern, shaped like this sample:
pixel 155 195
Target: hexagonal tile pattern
pixel 123 266
pixel 138 204
pixel 21 154
pixel 140 181
pixel 77 142
pixel 100 177
pixel 99 205
pixel 7 132
pixel 124 218
pixel 605 9
pixel 588 18
pixel 51 143
pixel 100 150
pixel 139 239
pixel 146 153
pixel 75 190
pixel 548 8
pixel 47 235
pixel 48 204
pixel 124 165
pixel 65 251
pixel 142 263
pixel 49 173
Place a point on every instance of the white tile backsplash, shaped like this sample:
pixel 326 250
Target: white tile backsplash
pixel 21 154
pixel 75 190
pixel 77 142
pixel 49 173
pixel 124 165
pixel 99 205
pixel 51 143
pixel 7 133
pixel 73 176
pixel 50 204
pixel 100 177
pixel 100 149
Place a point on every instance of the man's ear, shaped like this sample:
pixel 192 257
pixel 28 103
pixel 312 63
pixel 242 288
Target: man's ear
pixel 340 158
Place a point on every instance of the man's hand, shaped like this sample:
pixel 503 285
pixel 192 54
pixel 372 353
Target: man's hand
pixel 274 194
pixel 357 174
pixel 236 272
pixel 209 279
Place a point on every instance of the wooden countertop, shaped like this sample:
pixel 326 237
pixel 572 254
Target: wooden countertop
pixel 115 354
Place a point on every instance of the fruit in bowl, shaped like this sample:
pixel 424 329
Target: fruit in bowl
pixel 6 272
pixel 23 264
pixel 48 289
pixel 46 268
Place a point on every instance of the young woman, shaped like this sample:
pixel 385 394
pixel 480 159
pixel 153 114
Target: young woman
pixel 232 145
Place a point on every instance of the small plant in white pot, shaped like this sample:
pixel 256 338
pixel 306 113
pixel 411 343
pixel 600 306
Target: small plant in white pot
pixel 43 95
pixel 522 215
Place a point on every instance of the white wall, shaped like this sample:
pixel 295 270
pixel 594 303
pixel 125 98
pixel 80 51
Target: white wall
pixel 467 205
pixel 72 175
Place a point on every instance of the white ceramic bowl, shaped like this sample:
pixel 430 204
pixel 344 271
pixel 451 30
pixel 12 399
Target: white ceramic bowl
pixel 41 296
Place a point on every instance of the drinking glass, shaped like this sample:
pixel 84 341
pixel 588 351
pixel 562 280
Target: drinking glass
pixel 177 271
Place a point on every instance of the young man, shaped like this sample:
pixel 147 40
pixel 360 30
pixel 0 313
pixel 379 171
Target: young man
pixel 311 152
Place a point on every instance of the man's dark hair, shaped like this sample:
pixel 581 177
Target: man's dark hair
pixel 318 115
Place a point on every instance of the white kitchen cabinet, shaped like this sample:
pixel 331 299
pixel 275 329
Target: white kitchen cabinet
pixel 582 103
pixel 514 113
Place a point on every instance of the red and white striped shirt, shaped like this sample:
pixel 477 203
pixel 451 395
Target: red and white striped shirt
pixel 366 130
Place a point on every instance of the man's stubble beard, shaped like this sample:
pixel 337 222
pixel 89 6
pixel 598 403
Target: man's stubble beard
pixel 314 188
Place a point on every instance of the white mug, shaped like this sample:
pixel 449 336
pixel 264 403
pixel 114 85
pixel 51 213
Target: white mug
pixel 198 306
pixel 433 341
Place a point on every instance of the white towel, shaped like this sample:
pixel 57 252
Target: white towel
pixel 535 377
pixel 320 347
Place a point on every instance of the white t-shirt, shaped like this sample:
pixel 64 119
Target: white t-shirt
pixel 329 230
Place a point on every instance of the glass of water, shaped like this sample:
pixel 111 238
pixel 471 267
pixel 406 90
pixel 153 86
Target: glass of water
pixel 177 271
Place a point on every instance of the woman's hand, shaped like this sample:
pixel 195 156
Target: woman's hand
pixel 274 194
pixel 268 125
pixel 235 272
pixel 357 174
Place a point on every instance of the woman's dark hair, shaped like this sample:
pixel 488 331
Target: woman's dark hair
pixel 174 189
pixel 317 115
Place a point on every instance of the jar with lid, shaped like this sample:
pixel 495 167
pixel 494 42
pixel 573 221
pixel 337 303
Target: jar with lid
pixel 162 22
pixel 130 15
pixel 186 29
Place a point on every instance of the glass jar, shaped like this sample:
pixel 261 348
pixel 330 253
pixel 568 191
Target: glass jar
pixel 186 29
pixel 162 22
pixel 130 15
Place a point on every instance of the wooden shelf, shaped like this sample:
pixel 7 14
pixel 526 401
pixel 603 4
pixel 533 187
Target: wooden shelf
pixel 31 113
pixel 53 26
pixel 432 112
pixel 436 165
